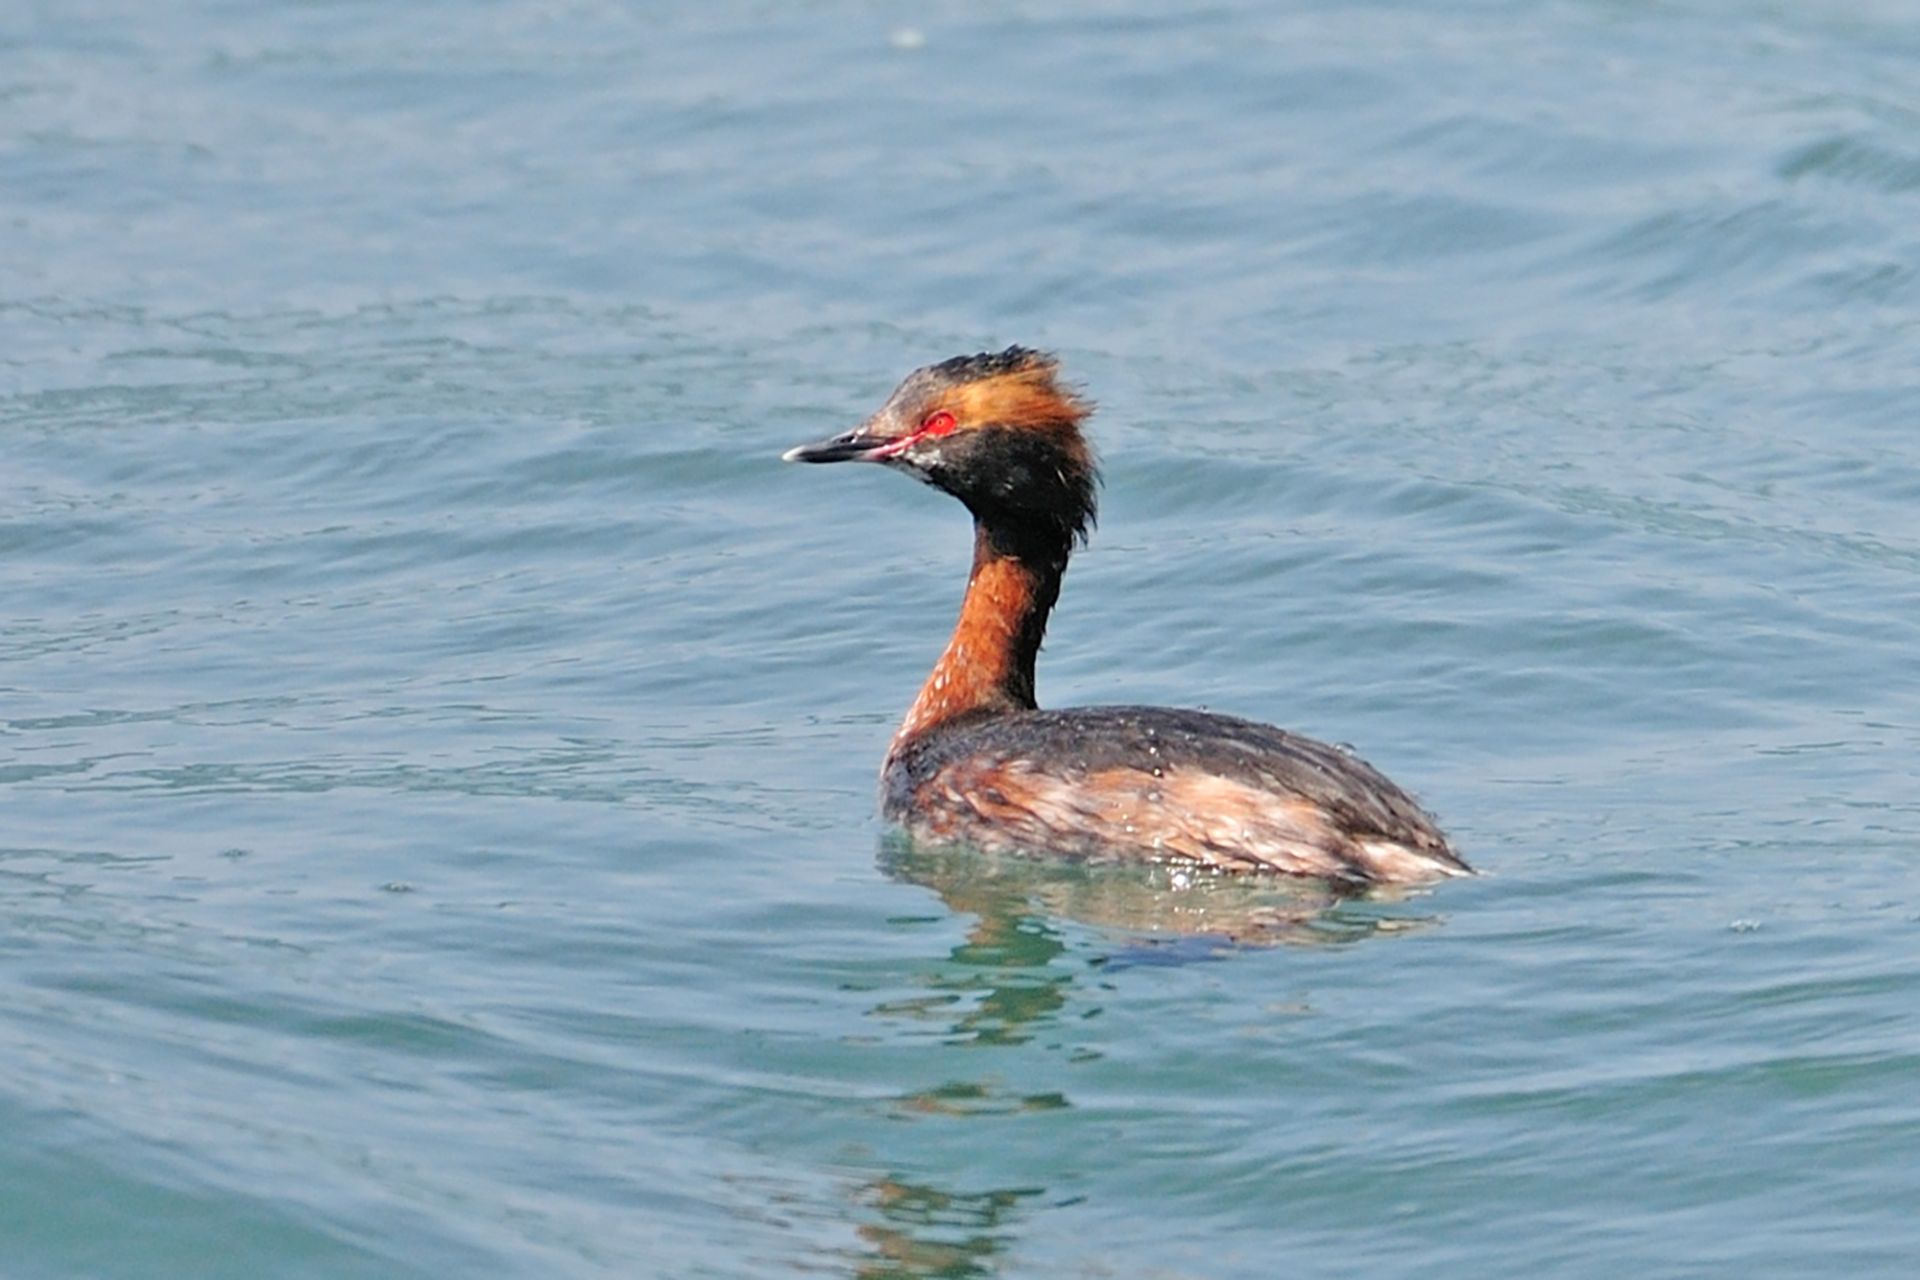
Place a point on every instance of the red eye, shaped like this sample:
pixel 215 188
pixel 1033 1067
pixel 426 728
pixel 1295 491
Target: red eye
pixel 937 424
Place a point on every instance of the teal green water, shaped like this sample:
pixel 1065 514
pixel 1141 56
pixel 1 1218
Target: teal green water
pixel 437 738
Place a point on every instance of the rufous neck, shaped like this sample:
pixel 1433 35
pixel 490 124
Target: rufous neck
pixel 988 664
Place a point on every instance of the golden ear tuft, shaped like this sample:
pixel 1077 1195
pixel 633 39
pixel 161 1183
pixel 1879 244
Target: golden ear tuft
pixel 1018 387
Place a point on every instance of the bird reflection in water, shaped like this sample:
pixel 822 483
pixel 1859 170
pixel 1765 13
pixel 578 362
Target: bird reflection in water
pixel 1158 913
pixel 923 1231
pixel 1011 979
pixel 1007 979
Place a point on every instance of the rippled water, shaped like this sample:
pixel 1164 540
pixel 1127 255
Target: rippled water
pixel 437 738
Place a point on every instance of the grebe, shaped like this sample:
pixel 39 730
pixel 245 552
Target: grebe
pixel 976 761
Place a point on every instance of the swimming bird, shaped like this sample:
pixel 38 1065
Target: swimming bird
pixel 978 761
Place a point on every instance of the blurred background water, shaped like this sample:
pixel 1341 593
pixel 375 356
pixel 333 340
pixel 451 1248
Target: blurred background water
pixel 437 738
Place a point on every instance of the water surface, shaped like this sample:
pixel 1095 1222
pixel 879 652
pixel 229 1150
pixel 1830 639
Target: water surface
pixel 437 738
